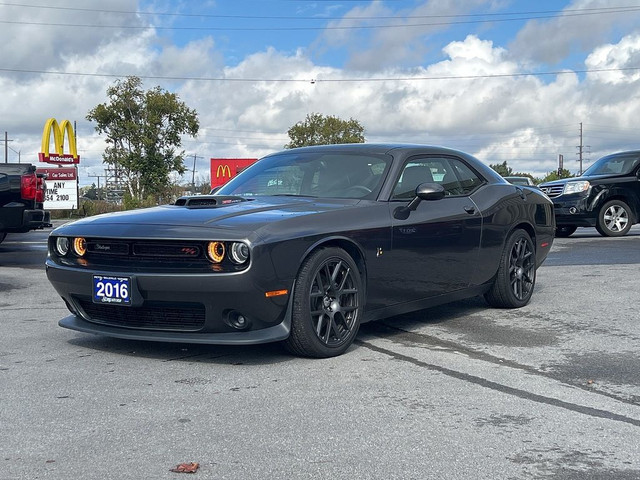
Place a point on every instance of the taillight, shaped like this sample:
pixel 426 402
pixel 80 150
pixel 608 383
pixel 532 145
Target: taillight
pixel 41 186
pixel 29 186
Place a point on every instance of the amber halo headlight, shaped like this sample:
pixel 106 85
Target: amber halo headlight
pixel 215 251
pixel 79 246
pixel 62 246
pixel 239 252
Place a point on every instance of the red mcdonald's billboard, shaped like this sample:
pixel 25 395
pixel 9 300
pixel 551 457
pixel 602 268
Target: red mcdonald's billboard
pixel 59 131
pixel 223 169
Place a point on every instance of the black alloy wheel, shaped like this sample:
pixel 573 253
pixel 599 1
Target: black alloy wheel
pixel 516 277
pixel 614 219
pixel 564 231
pixel 327 305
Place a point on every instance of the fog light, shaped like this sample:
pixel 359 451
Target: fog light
pixel 237 320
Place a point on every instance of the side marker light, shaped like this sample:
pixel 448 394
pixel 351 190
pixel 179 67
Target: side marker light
pixel 276 293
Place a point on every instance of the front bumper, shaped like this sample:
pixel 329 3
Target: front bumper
pixel 574 210
pixel 176 307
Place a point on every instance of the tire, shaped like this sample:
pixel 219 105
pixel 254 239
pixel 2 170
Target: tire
pixel 516 277
pixel 564 231
pixel 614 219
pixel 327 305
pixel 3 235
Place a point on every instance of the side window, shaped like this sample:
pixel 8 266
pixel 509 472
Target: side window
pixel 454 176
pixel 414 173
pixel 469 180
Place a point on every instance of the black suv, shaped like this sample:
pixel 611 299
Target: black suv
pixel 606 196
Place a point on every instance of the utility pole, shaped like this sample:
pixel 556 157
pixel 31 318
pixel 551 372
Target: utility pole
pixel 580 148
pixel 6 147
pixel 193 172
pixel 98 177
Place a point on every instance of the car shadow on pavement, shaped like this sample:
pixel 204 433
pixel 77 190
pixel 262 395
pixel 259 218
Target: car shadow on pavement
pixel 449 312
pixel 270 353
pixel 184 352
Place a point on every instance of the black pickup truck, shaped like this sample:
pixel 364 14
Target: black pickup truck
pixel 606 196
pixel 21 199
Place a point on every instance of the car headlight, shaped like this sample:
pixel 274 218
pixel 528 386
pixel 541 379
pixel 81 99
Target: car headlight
pixel 62 246
pixel 239 252
pixel 79 246
pixel 576 187
pixel 215 251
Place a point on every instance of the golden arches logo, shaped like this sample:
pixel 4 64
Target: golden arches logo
pixel 222 169
pixel 59 131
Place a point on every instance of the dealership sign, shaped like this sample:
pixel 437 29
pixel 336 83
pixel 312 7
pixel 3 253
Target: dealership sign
pixel 59 131
pixel 62 188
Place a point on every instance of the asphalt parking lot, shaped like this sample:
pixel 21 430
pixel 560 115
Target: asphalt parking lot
pixel 461 391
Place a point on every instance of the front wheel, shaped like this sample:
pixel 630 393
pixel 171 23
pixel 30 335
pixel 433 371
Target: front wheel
pixel 516 277
pixel 614 219
pixel 327 305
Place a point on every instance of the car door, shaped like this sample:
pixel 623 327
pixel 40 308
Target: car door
pixel 435 248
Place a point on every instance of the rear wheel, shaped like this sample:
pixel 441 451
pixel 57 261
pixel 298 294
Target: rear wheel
pixel 516 277
pixel 564 231
pixel 327 305
pixel 614 219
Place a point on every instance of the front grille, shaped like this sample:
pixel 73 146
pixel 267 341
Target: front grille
pixel 167 250
pixel 553 190
pixel 185 317
pixel 148 256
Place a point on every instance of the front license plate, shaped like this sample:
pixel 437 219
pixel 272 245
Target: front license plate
pixel 113 290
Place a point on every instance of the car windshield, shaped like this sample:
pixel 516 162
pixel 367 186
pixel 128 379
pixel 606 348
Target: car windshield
pixel 619 164
pixel 317 174
pixel 519 180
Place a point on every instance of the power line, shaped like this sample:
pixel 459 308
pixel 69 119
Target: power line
pixel 323 27
pixel 328 80
pixel 522 15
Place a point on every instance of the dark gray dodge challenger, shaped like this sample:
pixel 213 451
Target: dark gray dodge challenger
pixel 303 247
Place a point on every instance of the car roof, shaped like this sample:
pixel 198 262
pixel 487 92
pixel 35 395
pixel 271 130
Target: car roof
pixel 379 148
pixel 400 152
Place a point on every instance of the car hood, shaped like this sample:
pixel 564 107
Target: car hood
pixel 563 181
pixel 240 219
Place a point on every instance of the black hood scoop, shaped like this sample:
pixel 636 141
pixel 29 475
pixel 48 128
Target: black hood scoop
pixel 207 201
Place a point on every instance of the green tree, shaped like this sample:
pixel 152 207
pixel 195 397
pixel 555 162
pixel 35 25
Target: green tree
pixel 144 131
pixel 502 169
pixel 557 175
pixel 317 129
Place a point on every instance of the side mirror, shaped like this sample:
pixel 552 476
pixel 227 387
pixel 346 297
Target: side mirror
pixel 429 191
pixel 424 191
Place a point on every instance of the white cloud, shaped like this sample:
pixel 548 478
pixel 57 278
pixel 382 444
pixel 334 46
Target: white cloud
pixel 405 38
pixel 498 115
pixel 549 41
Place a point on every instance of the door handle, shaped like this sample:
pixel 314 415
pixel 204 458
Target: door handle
pixel 470 210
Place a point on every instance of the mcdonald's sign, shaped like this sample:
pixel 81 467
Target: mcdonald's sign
pixel 223 172
pixel 224 169
pixel 59 131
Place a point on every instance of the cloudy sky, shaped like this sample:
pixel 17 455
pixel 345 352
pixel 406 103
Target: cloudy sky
pixel 501 79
